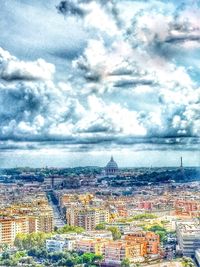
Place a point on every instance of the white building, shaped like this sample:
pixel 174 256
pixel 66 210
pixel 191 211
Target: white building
pixel 62 242
pixel 54 245
pixel 197 257
pixel 188 236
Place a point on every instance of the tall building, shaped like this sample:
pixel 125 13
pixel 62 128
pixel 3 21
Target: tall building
pixel 88 218
pixel 111 167
pixel 46 223
pixel 188 235
pixel 116 251
pixel 10 227
pixel 150 242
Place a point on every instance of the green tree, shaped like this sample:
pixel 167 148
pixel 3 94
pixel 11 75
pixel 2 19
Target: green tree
pixel 4 247
pixel 5 255
pixel 125 263
pixel 28 241
pixel 115 232
pixel 155 228
pixel 163 235
pixel 144 216
pixel 187 262
pixel 20 254
pixel 88 258
pixel 100 226
pixel 68 228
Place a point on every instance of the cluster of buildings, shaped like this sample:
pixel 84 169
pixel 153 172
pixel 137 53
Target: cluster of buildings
pixel 92 203
pixel 79 208
pixel 23 210
pixel 136 246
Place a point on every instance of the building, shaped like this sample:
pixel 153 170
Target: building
pixel 96 246
pixel 188 236
pixel 111 168
pixel 10 227
pixel 116 251
pixel 46 223
pixel 150 242
pixel 99 234
pixel 113 252
pixel 88 218
pixel 53 245
pixel 197 257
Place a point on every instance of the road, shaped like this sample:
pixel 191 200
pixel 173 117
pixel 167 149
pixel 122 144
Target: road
pixel 58 220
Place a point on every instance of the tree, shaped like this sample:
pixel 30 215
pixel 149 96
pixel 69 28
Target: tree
pixel 28 241
pixel 5 255
pixel 20 254
pixel 100 226
pixel 125 263
pixel 4 247
pixel 163 235
pixel 156 227
pixel 187 262
pixel 68 228
pixel 88 258
pixel 115 232
pixel 98 260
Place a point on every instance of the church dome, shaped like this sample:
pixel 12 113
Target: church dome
pixel 112 167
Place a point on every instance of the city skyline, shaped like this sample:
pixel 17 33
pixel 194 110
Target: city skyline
pixel 85 79
pixel 70 159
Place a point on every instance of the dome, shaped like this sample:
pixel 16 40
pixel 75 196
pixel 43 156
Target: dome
pixel 112 164
pixel 112 167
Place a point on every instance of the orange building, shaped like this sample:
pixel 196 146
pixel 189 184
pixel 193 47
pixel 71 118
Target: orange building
pixel 10 227
pixel 113 251
pixel 187 208
pixel 91 245
pixel 150 242
pixel 116 251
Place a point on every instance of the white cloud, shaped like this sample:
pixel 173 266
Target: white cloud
pixel 126 60
pixel 13 69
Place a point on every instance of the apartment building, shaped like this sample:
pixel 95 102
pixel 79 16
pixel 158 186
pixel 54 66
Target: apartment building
pixel 88 218
pixel 116 251
pixel 10 227
pixel 149 241
pixel 188 236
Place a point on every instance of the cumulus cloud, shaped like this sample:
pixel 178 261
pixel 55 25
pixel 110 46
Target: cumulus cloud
pixel 127 86
pixel 13 69
pixel 101 15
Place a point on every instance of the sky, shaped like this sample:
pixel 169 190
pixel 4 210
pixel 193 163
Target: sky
pixel 81 80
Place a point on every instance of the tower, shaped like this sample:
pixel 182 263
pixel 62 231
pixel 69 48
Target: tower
pixel 181 162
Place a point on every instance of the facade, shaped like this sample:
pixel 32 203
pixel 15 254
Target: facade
pixel 188 236
pixel 88 218
pixel 91 246
pixel 99 234
pixel 46 223
pixel 10 227
pixel 149 241
pixel 197 257
pixel 116 251
pixel 53 245
pixel 111 168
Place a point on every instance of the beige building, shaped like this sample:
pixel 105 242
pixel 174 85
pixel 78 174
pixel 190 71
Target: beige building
pixel 88 218
pixel 10 227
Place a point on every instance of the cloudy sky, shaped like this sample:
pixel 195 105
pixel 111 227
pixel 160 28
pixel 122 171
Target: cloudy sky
pixel 83 79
